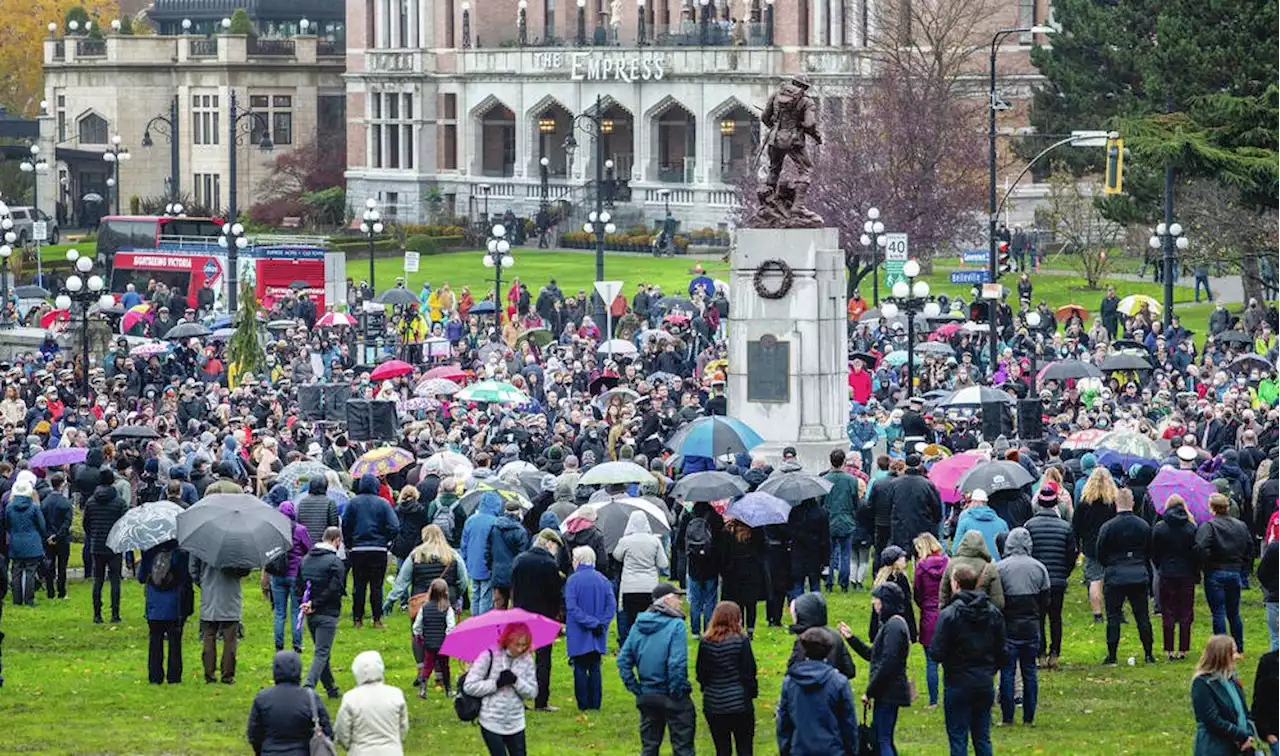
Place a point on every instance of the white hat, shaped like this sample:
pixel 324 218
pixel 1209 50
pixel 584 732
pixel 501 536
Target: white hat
pixel 25 476
pixel 23 488
pixel 314 450
pixel 978 495
pixel 1187 453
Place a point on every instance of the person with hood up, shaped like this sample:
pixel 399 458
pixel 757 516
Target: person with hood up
pixel 1053 544
pixel 809 612
pixel 981 518
pixel 1026 599
pixel 25 532
pixel 58 514
pixel 642 556
pixel 315 510
pixel 931 564
pixel 368 525
pixel 284 599
pixel 538 587
pixel 654 665
pixel 1224 548
pixel 974 555
pixel 887 684
pixel 969 643
pixel 281 720
pixel 100 513
pixel 583 531
pixel 1137 480
pixel 1173 544
pixel 169 598
pixel 810 529
pixel 373 717
pixel 589 606
pixel 1123 549
pixel 507 540
pixel 413 517
pixel 816 715
pixel 916 505
pixel 475 549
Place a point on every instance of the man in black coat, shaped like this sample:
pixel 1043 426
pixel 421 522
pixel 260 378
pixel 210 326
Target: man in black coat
pixel 1110 312
pixel 810 545
pixel 100 513
pixel 1124 551
pixel 916 505
pixel 914 426
pixel 57 511
pixel 537 586
pixel 1053 544
pixel 324 575
pixel 969 643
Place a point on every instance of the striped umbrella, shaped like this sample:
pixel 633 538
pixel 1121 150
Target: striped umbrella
pixel 1085 439
pixel 493 392
pixel 381 461
pixel 334 319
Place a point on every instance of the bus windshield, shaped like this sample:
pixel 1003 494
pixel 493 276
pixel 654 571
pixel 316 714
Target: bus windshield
pixel 116 233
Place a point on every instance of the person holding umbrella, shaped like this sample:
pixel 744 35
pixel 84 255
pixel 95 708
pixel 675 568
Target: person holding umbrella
pixel 221 609
pixel 503 678
pixel 165 571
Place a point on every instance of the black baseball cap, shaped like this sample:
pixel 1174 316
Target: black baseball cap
pixel 666 589
pixel 789 452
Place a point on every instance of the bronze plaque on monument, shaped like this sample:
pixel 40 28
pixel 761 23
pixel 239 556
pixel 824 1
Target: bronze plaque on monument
pixel 769 370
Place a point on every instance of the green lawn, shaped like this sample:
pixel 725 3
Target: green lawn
pixel 75 688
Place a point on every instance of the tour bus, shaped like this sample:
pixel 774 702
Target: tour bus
pixel 184 254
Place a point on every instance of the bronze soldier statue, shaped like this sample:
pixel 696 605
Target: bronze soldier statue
pixel 792 118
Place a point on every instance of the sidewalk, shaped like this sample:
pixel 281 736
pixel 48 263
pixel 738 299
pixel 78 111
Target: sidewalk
pixel 1228 289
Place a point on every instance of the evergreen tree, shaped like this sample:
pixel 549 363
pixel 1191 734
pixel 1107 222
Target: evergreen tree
pixel 244 349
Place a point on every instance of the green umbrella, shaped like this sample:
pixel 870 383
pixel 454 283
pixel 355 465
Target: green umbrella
pixel 539 336
pixel 494 392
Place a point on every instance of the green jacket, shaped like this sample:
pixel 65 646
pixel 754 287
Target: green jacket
pixel 1221 719
pixel 841 501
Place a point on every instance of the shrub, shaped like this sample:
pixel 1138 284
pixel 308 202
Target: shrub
pixel 273 212
pixel 430 245
pixel 240 22
pixel 326 207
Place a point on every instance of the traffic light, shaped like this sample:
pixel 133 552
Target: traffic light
pixel 1114 181
pixel 1006 260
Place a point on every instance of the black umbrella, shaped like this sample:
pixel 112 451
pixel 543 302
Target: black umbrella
pixel 505 490
pixel 1001 475
pixel 187 331
pixel 674 304
pixel 483 307
pixel 398 297
pixel 234 531
pixel 30 292
pixel 1250 362
pixel 708 486
pixel 116 310
pixel 1124 362
pixel 1065 369
pixel 135 431
pixel 603 383
pixel 869 361
pixel 794 487
pixel 1233 337
pixel 1120 344
pixel 299 285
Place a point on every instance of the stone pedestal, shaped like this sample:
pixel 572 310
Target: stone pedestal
pixel 796 345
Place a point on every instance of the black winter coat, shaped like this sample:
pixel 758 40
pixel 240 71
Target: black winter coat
pixel 1224 543
pixel 811 611
pixel 536 583
pixel 1124 549
pixel 743 568
pixel 327 575
pixel 1173 545
pixel 413 518
pixel 1267 571
pixel 280 720
pixel 726 670
pixel 102 511
pixel 593 538
pixel 916 508
pixel 57 512
pixel 969 641
pixel 1087 522
pixel 810 542
pixel 1053 544
pixel 887 680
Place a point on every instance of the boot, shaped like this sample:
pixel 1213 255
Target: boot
pixel 1052 662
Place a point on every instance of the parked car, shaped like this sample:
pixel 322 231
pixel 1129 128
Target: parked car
pixel 24 219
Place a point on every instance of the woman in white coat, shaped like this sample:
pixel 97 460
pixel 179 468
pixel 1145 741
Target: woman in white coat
pixel 373 718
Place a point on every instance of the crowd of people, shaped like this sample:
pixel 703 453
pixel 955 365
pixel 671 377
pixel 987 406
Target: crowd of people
pixel 489 512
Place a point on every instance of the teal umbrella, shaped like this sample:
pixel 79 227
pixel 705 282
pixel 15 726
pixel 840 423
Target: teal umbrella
pixel 494 392
pixel 898 358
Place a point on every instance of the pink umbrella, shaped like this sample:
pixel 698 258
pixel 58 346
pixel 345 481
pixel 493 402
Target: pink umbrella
pixel 332 319
pixel 476 635
pixel 1085 439
pixel 947 330
pixel 946 474
pixel 390 369
pixel 1193 489
pixel 132 318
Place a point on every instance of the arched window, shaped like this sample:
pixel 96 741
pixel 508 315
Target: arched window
pixel 93 129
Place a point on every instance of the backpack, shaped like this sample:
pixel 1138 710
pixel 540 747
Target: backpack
pixel 162 577
pixel 697 537
pixel 279 564
pixel 467 706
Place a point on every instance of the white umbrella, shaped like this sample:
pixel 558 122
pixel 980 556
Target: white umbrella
pixel 512 470
pixel 620 347
pixel 615 473
pixel 448 463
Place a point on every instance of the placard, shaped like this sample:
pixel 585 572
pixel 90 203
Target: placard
pixel 769 370
pixel 411 262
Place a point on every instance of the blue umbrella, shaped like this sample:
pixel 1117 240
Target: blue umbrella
pixel 1109 457
pixel 759 508
pixel 898 358
pixel 708 285
pixel 714 436
pixel 484 307
pixel 222 321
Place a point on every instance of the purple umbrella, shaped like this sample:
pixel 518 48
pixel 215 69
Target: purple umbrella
pixel 1193 489
pixel 71 455
pixel 759 508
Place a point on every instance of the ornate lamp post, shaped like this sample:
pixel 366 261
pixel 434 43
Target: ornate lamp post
pixel 167 125
pixel 371 226
pixel 239 124
pixel 873 239
pixel 115 156
pixel 594 124
pixel 911 297
pixel 36 166
pixel 6 251
pixel 498 257
pixel 1167 237
pixel 85 293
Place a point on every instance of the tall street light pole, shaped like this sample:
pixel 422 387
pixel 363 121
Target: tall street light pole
pixel 167 125
pixel 498 257
pixel 1167 237
pixel 873 238
pixel 911 297
pixel 594 125
pixel 371 226
pixel 115 156
pixel 36 166
pixel 6 251
pixel 85 293
pixel 239 125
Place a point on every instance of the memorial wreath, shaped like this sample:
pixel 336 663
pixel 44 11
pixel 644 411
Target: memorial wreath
pixel 773 266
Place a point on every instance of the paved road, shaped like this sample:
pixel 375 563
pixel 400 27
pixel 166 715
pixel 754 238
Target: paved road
pixel 1230 289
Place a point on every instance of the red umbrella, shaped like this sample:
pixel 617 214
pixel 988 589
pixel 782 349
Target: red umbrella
pixel 390 369
pixel 1066 312
pixel 448 372
pixel 947 330
pixel 54 316
pixel 947 473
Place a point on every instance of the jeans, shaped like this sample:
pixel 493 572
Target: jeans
pixel 1053 618
pixel 1222 591
pixel 861 562
pixel 1021 653
pixel 588 686
pixel 286 601
pixel 106 567
pixel 1177 601
pixel 702 601
pixel 1203 281
pixel 161 631
pixel 323 628
pixel 1114 597
pixel 931 678
pixel 730 729
pixel 968 715
pixel 659 713
pixel 884 721
pixel 503 745
pixel 1273 614
pixel 481 597
pixel 841 558
pixel 814 579
pixel 209 633
pixel 24 573
pixel 369 569
pixel 56 573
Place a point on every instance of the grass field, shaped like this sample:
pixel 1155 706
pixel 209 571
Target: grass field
pixel 75 688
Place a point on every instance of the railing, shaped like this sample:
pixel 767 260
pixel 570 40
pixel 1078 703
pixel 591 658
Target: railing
pixel 91 48
pixel 203 48
pixel 273 47
pixel 329 48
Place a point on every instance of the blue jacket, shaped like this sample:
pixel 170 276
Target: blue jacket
pixel 369 522
pixel 655 658
pixel 475 535
pixel 24 528
pixel 693 464
pixel 816 715
pixel 167 604
pixel 984 520
pixel 507 540
pixel 589 606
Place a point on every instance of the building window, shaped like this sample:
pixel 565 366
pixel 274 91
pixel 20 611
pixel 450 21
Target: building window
pixel 277 114
pixel 208 191
pixel 205 120
pixel 549 20
pixel 448 27
pixel 391 204
pixel 449 161
pixel 62 118
pixel 391 129
pixel 93 129
pixel 331 115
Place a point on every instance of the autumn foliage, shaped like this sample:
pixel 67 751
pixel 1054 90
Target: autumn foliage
pixel 22 38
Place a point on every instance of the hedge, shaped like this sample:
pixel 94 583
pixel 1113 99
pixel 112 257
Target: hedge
pixel 430 245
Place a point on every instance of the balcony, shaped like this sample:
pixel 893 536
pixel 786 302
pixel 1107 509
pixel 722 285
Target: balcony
pixel 91 48
pixel 584 63
pixel 283 48
pixel 203 48
pixel 166 50
pixel 327 48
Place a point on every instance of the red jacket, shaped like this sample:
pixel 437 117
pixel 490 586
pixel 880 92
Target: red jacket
pixel 860 383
